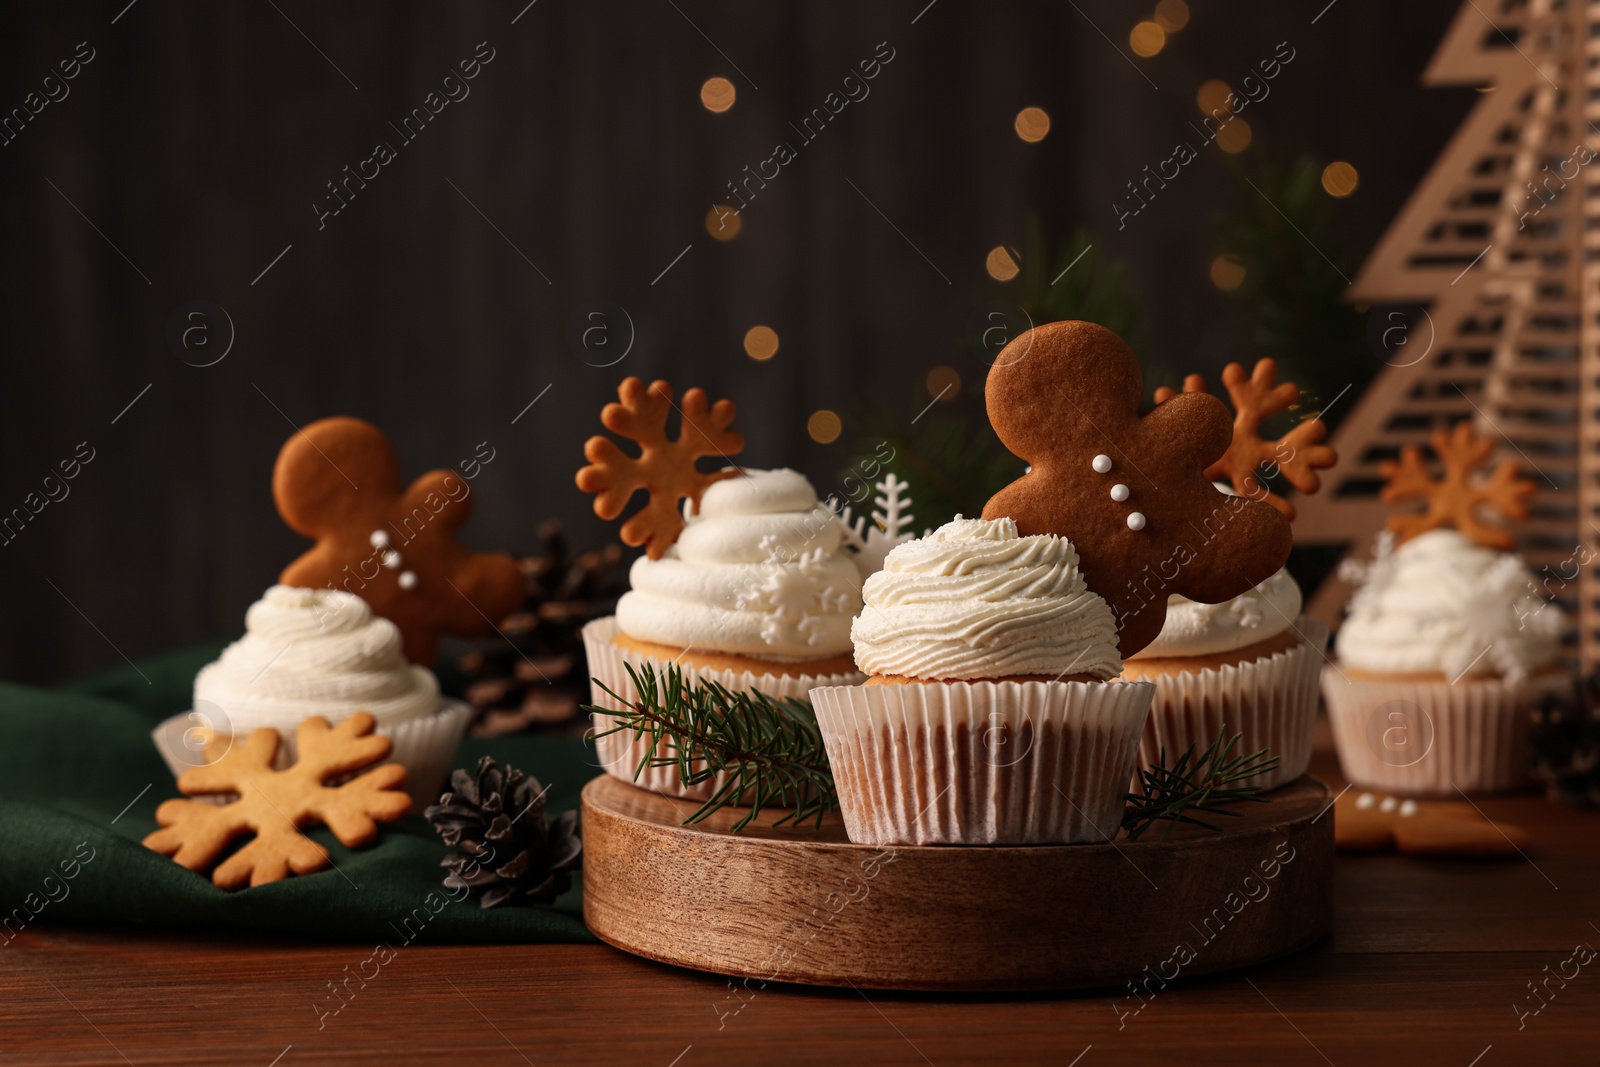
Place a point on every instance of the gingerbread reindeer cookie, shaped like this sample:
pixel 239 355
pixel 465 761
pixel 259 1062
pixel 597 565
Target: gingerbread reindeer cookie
pixel 665 468
pixel 338 482
pixel 1456 499
pixel 1298 454
pixel 1131 492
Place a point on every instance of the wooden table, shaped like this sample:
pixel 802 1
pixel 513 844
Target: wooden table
pixel 1424 967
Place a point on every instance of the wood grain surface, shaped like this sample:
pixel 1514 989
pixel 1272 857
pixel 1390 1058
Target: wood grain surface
pixel 1426 959
pixel 803 904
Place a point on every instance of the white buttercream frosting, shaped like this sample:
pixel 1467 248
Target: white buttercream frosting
pixel 312 652
pixel 1196 629
pixel 757 571
pixel 1439 603
pixel 974 600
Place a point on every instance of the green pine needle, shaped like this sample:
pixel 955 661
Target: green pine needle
pixel 768 747
pixel 1195 785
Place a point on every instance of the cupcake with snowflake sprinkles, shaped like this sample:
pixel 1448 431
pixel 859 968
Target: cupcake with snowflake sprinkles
pixel 753 590
pixel 1447 643
pixel 994 714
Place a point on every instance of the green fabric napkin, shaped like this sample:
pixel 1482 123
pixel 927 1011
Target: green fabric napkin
pixel 80 781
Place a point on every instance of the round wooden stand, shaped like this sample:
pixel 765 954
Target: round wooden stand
pixel 802 904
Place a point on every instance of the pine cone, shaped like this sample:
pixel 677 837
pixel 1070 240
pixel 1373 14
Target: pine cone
pixel 1565 743
pixel 505 845
pixel 534 671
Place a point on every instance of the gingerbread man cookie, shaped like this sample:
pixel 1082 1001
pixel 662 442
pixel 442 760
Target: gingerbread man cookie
pixel 338 482
pixel 1129 491
pixel 1365 822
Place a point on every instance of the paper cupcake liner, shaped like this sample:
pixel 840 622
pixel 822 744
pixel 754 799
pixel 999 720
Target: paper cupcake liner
pixel 982 763
pixel 621 753
pixel 1272 701
pixel 1432 738
pixel 425 747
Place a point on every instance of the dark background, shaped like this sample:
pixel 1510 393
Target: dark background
pixel 200 135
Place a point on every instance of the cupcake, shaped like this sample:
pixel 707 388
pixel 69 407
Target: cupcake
pixel 1248 666
pixel 1444 651
pixel 991 715
pixel 320 652
pixel 994 714
pixel 757 593
pixel 745 581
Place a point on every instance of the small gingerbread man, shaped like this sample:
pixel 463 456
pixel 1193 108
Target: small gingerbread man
pixel 337 481
pixel 1129 491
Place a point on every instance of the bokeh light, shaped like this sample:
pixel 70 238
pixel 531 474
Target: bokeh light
pixel 1172 15
pixel 723 223
pixel 1234 137
pixel 1340 179
pixel 717 94
pixel 1032 124
pixel 761 343
pixel 1146 39
pixel 944 382
pixel 824 427
pixel 1212 97
pixel 1227 272
pixel 1001 264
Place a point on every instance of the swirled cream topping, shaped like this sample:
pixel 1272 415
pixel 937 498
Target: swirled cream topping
pixel 1195 629
pixel 1439 603
pixel 974 600
pixel 312 652
pixel 757 571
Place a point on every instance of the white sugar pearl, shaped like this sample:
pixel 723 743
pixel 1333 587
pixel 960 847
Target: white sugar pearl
pixel 1136 520
pixel 379 538
pixel 1365 801
pixel 408 580
pixel 391 559
pixel 1389 804
pixel 1101 463
pixel 1119 492
pixel 1408 807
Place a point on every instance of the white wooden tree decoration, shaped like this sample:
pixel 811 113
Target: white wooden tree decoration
pixel 1500 244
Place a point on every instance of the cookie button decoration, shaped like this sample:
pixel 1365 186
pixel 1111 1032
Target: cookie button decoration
pixel 665 468
pixel 1064 398
pixel 337 481
pixel 1297 455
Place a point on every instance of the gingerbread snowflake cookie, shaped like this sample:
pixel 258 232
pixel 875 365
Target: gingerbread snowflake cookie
pixel 337 481
pixel 1459 497
pixel 1130 491
pixel 665 468
pixel 1297 455
pixel 276 806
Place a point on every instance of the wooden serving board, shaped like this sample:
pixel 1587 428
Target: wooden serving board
pixel 803 904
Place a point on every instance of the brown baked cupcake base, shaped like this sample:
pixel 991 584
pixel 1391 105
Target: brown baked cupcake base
pixel 732 661
pixel 1156 666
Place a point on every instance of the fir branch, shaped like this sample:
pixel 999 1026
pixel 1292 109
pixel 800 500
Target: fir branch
pixel 1170 793
pixel 768 747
